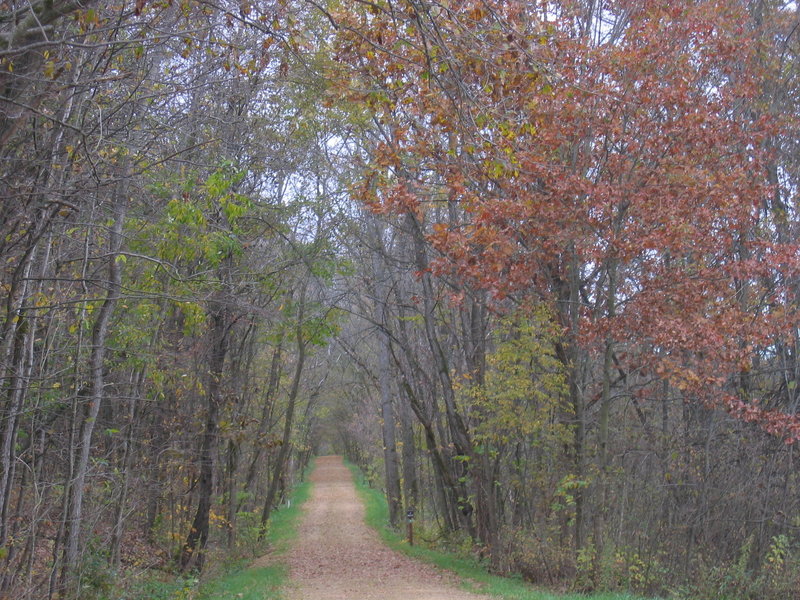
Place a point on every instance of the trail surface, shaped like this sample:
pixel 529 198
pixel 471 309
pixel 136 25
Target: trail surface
pixel 337 557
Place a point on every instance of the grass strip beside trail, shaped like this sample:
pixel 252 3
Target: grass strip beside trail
pixel 255 583
pixel 283 522
pixel 246 582
pixel 474 576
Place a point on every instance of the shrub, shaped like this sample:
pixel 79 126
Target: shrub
pixel 778 577
pixel 542 561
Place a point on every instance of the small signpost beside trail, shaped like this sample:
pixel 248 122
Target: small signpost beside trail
pixel 410 520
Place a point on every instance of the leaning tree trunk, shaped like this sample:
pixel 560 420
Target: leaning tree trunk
pixel 264 425
pixel 409 450
pixel 95 398
pixel 20 334
pixel 459 433
pixel 277 468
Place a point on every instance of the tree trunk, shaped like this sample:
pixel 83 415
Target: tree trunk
pixel 605 409
pixel 265 424
pixel 115 557
pixel 18 334
pixel 381 292
pixel 573 359
pixel 277 468
pixel 192 553
pixel 409 455
pixel 388 429
pixel 461 444
pixel 95 398
pixel 18 375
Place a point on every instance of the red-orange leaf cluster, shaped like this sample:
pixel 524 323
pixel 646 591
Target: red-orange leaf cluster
pixel 628 160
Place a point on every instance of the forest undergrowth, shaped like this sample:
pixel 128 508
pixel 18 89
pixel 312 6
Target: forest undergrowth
pixel 458 557
pixel 230 576
pixel 777 579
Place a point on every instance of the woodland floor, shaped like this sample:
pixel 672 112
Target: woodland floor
pixel 337 557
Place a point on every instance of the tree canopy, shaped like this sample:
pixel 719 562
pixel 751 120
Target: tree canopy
pixel 532 265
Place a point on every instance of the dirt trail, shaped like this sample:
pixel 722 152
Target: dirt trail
pixel 337 557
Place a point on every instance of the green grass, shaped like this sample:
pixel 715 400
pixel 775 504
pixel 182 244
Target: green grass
pixel 474 577
pixel 283 522
pixel 262 583
pixel 244 582
pixel 152 588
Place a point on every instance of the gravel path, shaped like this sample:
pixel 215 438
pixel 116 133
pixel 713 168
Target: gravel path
pixel 337 557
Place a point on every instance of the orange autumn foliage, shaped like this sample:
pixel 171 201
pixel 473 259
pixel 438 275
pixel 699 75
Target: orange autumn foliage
pixel 635 149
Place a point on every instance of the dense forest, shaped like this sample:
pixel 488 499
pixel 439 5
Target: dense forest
pixel 532 265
